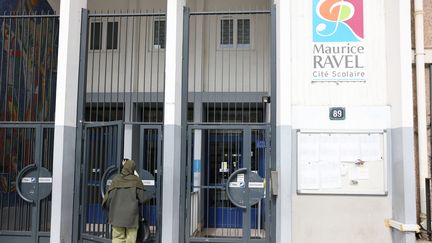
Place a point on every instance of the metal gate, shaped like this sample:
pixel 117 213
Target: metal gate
pixel 121 108
pixel 28 60
pixel 103 153
pixel 229 72
pixel 102 157
pixel 228 193
pixel 25 182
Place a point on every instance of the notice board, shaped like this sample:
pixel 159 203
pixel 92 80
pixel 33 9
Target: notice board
pixel 338 162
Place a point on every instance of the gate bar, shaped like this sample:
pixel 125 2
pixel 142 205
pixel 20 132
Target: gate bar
pixel 126 15
pixel 231 12
pixel 76 228
pixel 273 115
pixel 29 16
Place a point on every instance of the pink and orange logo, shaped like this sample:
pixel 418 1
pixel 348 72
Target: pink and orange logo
pixel 338 20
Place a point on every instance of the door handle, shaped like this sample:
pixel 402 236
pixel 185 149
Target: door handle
pixel 19 181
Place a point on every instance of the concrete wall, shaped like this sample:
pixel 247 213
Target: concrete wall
pixel 360 219
pixel 136 66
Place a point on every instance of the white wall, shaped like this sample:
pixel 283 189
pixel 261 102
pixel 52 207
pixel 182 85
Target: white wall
pixel 135 66
pixel 339 219
pixel 212 68
pixel 225 69
pixel 217 69
pixel 105 5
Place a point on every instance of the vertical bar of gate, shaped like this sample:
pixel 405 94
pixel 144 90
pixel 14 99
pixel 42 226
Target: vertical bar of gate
pixel 12 59
pixel 119 144
pixel 125 67
pixel 45 73
pixel 136 101
pixel 51 65
pixel 247 139
pixel 13 53
pixel 105 62
pixel 273 118
pixel 2 44
pixel 146 40
pixel 7 71
pixel 184 108
pixel 15 144
pixel 428 207
pixel 80 139
pixel 188 185
pixel 3 163
pixel 20 36
pixel 132 67
pixel 159 185
pixel 38 67
pixel 38 162
pixel 141 159
pixel 268 160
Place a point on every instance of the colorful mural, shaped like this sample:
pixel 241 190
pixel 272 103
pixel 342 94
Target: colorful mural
pixel 28 63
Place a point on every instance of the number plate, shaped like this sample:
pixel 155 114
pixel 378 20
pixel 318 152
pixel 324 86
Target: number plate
pixel 337 113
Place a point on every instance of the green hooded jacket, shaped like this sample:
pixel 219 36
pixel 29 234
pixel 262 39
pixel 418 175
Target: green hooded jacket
pixel 123 197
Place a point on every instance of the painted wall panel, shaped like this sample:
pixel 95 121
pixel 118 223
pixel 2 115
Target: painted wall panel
pixel 372 92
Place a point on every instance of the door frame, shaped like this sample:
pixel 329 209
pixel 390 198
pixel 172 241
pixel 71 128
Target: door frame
pixel 159 174
pixel 83 236
pixel 246 214
pixel 35 234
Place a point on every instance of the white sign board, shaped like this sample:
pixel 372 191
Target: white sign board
pixel 335 162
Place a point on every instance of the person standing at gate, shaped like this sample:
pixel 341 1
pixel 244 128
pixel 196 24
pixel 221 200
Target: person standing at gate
pixel 122 199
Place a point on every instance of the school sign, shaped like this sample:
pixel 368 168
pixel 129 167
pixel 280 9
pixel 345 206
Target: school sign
pixel 339 52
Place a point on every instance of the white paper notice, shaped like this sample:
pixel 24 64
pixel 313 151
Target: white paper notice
pixel 359 172
pixel 371 148
pixel 329 148
pixel 309 176
pixel 349 147
pixel 344 169
pixel 330 175
pixel 309 148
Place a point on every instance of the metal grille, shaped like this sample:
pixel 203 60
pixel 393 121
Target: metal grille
pixel 124 89
pixel 149 162
pixel 125 67
pixel 28 67
pixel 229 66
pixel 28 71
pixel 17 151
pixel 214 155
pixel 230 79
pixel 102 152
pixel 47 162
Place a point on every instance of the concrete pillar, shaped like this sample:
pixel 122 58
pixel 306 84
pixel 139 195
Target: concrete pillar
pixel 172 142
pixel 66 121
pixel 283 121
pixel 403 180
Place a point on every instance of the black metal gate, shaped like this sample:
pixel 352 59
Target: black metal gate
pixel 102 157
pixel 26 182
pixel 28 61
pixel 228 196
pixel 122 82
pixel 229 72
